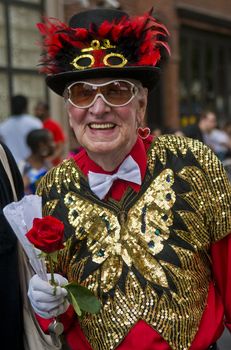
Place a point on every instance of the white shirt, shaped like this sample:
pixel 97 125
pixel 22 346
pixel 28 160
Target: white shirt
pixel 13 133
pixel 218 140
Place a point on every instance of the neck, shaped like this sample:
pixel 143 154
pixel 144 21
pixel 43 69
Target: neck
pixel 109 161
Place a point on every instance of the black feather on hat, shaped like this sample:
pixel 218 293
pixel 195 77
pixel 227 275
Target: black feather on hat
pixel 102 43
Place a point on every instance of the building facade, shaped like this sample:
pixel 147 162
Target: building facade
pixel 19 52
pixel 196 77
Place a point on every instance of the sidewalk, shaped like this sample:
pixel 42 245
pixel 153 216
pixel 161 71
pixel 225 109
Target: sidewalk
pixel 224 342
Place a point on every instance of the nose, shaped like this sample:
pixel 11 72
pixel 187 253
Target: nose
pixel 99 107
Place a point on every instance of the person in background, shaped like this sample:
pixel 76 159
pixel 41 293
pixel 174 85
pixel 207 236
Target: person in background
pixel 173 131
pixel 156 131
pixel 11 320
pixel 207 132
pixel 207 122
pixel 218 140
pixel 227 161
pixel 227 129
pixel 147 221
pixel 14 130
pixel 42 112
pixel 41 144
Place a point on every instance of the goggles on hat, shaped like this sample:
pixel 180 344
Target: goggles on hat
pixel 115 93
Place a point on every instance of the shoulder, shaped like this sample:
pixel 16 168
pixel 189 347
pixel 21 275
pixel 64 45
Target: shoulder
pixel 52 124
pixel 179 143
pixel 58 176
pixel 197 165
pixel 185 153
pixel 56 129
pixel 32 120
pixel 6 124
pixel 191 152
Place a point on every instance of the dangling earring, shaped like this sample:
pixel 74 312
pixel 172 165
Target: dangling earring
pixel 144 132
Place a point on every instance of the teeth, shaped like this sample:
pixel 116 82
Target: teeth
pixel 102 126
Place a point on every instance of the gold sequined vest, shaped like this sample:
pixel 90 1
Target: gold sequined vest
pixel 147 256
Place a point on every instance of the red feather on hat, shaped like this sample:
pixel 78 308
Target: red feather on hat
pixel 139 39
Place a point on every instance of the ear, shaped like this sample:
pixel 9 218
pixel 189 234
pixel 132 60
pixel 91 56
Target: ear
pixel 70 121
pixel 142 105
pixel 69 116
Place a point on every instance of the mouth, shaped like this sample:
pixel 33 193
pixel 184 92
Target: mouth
pixel 102 126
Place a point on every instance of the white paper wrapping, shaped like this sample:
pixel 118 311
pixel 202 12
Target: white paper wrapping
pixel 20 216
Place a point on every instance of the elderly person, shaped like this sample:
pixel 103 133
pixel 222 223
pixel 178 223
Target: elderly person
pixel 147 222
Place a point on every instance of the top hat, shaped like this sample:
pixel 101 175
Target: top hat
pixel 102 43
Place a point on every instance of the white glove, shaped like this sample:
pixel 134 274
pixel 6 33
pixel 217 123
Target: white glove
pixel 48 301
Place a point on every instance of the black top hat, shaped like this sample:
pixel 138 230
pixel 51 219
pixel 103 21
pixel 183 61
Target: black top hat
pixel 102 43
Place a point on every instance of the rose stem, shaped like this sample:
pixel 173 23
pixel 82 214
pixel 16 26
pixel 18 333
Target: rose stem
pixel 52 270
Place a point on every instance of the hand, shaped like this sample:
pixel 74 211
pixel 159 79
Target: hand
pixel 48 301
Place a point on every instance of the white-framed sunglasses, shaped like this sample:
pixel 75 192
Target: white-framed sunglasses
pixel 116 93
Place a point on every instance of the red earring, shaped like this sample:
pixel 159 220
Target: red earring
pixel 144 132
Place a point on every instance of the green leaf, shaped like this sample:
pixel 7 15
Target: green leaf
pixel 54 256
pixel 73 301
pixel 42 255
pixel 87 301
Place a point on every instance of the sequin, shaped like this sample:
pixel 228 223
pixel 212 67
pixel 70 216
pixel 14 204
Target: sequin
pixel 121 250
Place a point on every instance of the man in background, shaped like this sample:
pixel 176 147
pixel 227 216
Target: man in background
pixel 42 112
pixel 14 130
pixel 200 131
pixel 207 131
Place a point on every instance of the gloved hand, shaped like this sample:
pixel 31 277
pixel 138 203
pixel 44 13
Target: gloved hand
pixel 48 301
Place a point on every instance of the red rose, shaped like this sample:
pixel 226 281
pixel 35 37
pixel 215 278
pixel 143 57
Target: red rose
pixel 47 234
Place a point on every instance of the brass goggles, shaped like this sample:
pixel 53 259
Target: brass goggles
pixel 115 93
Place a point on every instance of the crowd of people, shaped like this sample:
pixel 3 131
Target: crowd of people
pixel 36 151
pixel 36 141
pixel 147 220
pixel 207 131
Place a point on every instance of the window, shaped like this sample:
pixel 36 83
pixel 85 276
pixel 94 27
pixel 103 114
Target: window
pixel 204 74
pixel 19 53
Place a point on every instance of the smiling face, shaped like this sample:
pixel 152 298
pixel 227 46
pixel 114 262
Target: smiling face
pixel 108 132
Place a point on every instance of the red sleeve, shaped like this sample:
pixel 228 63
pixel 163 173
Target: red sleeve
pixel 221 266
pixel 59 135
pixel 55 129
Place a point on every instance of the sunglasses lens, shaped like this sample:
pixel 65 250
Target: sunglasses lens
pixel 116 93
pixel 82 94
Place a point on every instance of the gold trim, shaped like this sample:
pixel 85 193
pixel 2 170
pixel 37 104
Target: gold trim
pixel 77 66
pixel 95 45
pixel 112 54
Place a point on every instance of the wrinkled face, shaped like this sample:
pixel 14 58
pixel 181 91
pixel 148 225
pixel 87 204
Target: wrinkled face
pixel 103 129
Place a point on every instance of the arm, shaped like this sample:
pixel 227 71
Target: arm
pixel 221 262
